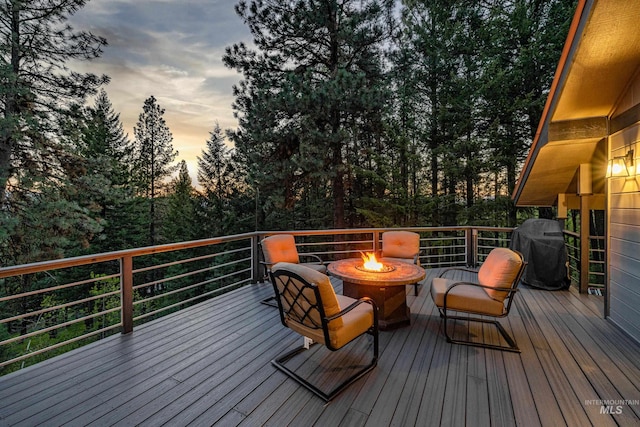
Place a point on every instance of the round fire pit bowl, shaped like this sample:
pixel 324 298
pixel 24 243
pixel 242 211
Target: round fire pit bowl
pixel 386 289
pixel 385 269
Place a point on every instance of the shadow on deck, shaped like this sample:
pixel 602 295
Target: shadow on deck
pixel 210 364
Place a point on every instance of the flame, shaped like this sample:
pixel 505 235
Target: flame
pixel 370 262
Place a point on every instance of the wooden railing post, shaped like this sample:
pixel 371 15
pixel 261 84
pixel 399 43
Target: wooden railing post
pixel 255 258
pixel 126 293
pixel 585 232
pixel 471 237
pixel 376 240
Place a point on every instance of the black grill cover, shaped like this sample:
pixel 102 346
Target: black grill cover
pixel 542 244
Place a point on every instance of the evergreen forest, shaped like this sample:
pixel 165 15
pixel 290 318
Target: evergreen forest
pixel 351 114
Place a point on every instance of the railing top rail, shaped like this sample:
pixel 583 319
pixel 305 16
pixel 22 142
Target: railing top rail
pixel 149 250
pixel 577 235
pixel 115 255
pixel 333 231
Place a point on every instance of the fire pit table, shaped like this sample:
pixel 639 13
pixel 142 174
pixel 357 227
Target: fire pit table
pixel 386 288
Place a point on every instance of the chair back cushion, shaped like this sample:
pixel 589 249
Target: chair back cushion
pixel 400 244
pixel 303 309
pixel 500 270
pixel 280 248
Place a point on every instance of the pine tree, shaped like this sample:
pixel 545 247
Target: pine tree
pixel 105 137
pixel 152 158
pixel 108 153
pixel 526 38
pixel 432 32
pixel 313 83
pixel 213 166
pixel 216 177
pixel 41 215
pixel 180 223
pixel 36 87
pixel 473 77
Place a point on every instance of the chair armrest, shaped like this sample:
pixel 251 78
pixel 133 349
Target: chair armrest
pixel 267 265
pixel 363 300
pixel 316 258
pixel 478 285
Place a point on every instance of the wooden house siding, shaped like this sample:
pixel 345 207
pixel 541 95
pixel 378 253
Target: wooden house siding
pixel 623 200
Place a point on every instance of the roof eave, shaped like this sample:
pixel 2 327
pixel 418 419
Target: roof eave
pixel 578 23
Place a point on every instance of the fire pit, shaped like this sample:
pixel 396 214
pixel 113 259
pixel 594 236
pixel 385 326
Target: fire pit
pixel 371 265
pixel 386 286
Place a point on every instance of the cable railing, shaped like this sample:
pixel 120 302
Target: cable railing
pixel 597 263
pixel 48 308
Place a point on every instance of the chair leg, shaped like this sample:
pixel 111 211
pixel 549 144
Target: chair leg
pixel 416 288
pixel 512 346
pixel 271 302
pixel 279 363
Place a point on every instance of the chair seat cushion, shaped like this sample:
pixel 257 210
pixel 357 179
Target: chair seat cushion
pixel 317 267
pixel 467 298
pixel 354 323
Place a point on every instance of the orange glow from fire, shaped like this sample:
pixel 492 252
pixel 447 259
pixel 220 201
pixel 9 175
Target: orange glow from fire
pixel 370 262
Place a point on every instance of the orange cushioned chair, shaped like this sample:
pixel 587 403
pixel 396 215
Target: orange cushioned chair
pixel 498 279
pixel 402 246
pixel 282 248
pixel 309 306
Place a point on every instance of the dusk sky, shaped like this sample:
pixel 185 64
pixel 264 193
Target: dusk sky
pixel 173 50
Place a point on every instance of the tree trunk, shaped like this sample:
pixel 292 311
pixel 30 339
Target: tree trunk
pixel 338 198
pixel 152 206
pixel 337 160
pixel 511 184
pixel 11 109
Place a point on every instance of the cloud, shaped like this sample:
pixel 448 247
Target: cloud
pixel 172 50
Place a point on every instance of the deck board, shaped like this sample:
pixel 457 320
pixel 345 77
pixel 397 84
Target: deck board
pixel 210 365
pixel 574 360
pixel 500 407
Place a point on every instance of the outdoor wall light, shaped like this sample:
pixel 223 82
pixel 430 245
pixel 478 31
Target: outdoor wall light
pixel 621 166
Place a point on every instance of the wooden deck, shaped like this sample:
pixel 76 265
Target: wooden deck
pixel 210 365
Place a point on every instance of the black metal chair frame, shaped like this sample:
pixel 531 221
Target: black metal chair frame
pixel 300 301
pixel 511 292
pixel 415 261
